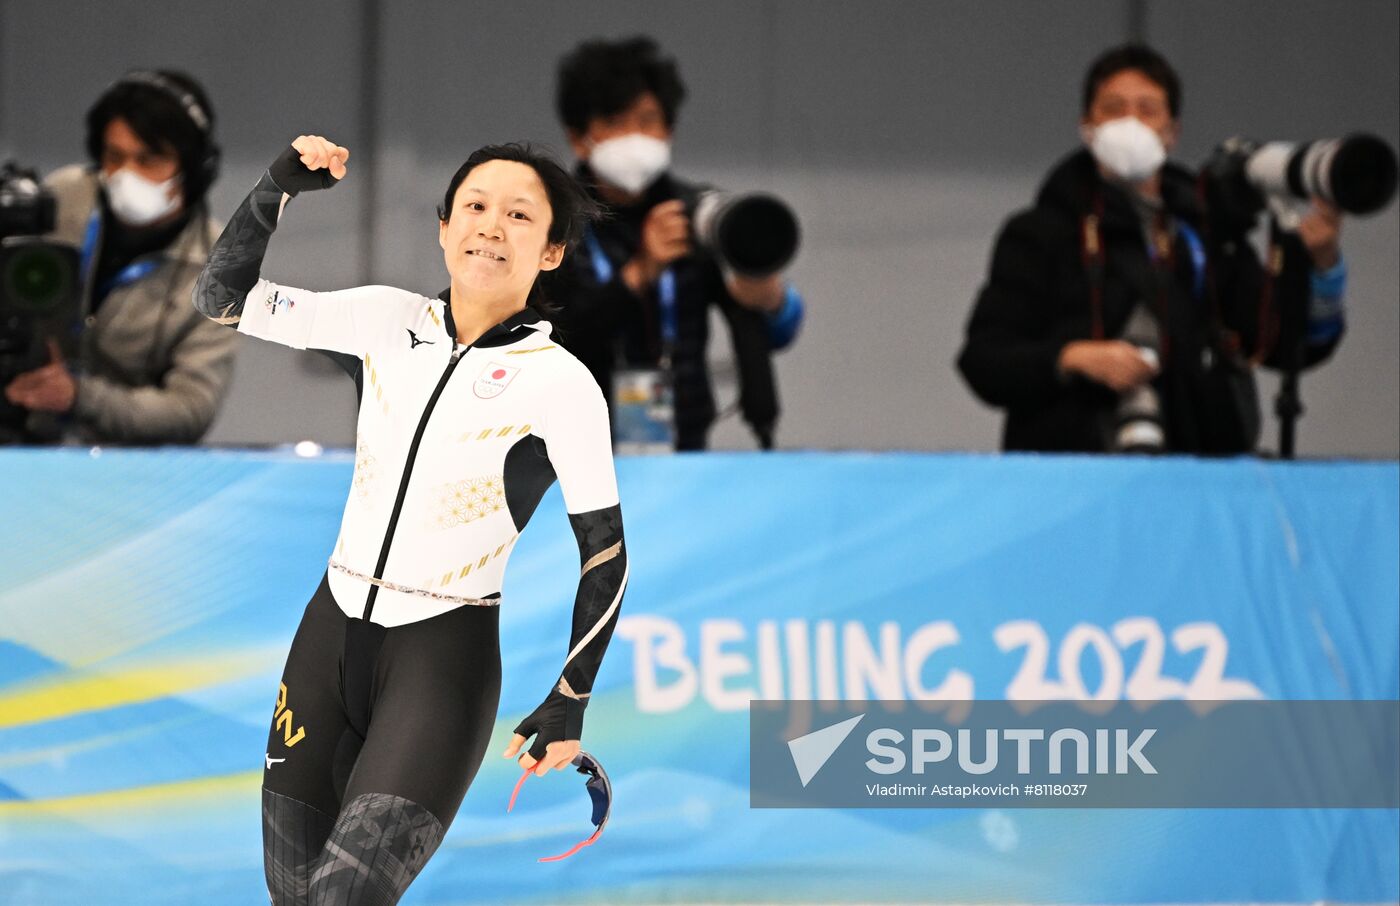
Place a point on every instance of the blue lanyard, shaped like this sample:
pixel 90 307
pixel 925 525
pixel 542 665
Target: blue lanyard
pixel 666 296
pixel 1197 250
pixel 1198 257
pixel 665 289
pixel 602 267
pixel 129 274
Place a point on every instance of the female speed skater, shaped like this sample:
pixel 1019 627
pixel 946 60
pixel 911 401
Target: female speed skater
pixel 468 413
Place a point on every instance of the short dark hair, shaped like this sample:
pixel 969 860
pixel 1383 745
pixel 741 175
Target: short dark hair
pixel 1133 56
pixel 602 78
pixel 151 104
pixel 571 208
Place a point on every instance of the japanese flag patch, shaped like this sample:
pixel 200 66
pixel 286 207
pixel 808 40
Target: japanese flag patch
pixel 493 380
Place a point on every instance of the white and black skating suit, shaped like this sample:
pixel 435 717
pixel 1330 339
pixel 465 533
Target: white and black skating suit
pixel 390 690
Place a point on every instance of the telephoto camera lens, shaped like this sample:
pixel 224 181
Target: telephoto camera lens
pixel 1356 173
pixel 1137 419
pixel 751 234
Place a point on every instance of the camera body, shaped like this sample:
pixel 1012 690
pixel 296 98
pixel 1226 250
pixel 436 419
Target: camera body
pixel 39 281
pixel 753 234
pixel 38 276
pixel 26 207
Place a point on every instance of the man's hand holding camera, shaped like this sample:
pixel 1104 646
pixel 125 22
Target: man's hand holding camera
pixel 1321 231
pixel 666 239
pixel 1117 364
pixel 50 388
pixel 763 294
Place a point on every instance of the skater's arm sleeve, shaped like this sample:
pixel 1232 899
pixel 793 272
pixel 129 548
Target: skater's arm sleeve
pixel 230 290
pixel 580 449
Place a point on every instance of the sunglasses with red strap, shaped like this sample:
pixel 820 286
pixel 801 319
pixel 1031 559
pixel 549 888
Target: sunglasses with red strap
pixel 599 790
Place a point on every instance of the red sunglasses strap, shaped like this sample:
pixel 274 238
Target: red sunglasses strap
pixel 518 784
pixel 577 846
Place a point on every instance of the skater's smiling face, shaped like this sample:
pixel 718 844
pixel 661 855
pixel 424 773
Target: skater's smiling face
pixel 509 213
pixel 495 237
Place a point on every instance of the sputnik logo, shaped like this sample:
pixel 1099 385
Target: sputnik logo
pixel 812 751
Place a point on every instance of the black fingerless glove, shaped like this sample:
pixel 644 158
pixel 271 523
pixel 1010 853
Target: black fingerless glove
pixel 556 719
pixel 292 176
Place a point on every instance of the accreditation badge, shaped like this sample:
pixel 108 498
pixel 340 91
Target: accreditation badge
pixel 644 413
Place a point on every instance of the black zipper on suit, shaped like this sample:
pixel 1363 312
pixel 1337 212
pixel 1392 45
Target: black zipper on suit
pixel 455 358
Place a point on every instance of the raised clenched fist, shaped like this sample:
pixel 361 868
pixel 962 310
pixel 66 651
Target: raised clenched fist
pixel 308 163
pixel 318 151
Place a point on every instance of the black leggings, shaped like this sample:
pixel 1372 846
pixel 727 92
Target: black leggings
pixel 376 736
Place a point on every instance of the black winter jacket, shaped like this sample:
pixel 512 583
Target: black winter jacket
pixel 1037 299
pixel 598 317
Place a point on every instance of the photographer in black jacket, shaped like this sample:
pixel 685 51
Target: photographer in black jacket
pixel 641 292
pixel 1118 316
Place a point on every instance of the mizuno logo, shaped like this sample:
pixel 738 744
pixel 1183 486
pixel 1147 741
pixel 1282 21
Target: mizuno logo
pixel 414 342
pixel 271 761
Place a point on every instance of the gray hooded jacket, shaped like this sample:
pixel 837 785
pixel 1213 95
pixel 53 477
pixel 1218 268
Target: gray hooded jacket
pixel 150 369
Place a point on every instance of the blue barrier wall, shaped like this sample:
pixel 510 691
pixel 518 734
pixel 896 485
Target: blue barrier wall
pixel 149 599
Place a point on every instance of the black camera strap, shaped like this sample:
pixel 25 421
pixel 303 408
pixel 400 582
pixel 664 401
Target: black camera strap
pixel 1268 321
pixel 1092 253
pixel 1095 258
pixel 1266 334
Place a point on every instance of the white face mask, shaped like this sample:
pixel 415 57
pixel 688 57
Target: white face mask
pixel 630 162
pixel 1127 148
pixel 137 201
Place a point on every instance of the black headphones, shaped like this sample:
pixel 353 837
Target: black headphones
pixel 208 164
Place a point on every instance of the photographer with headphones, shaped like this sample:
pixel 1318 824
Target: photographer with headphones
pixel 140 366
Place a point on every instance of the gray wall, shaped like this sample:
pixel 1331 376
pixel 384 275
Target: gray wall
pixel 903 132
